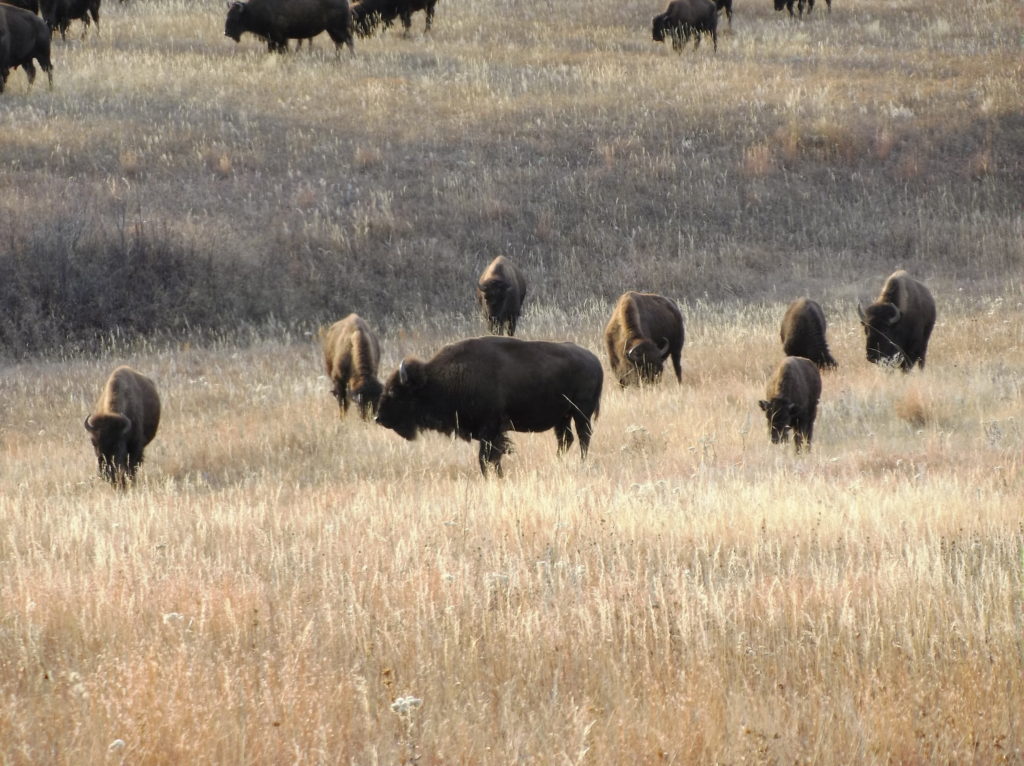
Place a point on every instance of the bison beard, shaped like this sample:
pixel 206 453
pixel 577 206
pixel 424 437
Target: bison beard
pixel 483 387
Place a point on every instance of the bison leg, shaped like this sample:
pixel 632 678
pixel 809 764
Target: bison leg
pixel 493 445
pixel 406 23
pixel 430 16
pixel 564 435
pixel 677 365
pixel 30 71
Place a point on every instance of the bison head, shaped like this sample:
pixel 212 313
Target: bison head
pixel 659 27
pixel 647 358
pixel 879 320
pixel 109 434
pixel 399 405
pixel 235 24
pixel 367 396
pixel 781 414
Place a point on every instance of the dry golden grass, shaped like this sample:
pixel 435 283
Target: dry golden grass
pixel 278 578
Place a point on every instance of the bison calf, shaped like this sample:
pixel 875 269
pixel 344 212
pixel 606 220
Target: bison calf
pixel 367 14
pixel 483 387
pixel 684 18
pixel 792 402
pixel 58 14
pixel 788 4
pixel 644 330
pixel 803 333
pixel 899 323
pixel 125 421
pixel 23 37
pixel 351 356
pixel 500 293
pixel 278 21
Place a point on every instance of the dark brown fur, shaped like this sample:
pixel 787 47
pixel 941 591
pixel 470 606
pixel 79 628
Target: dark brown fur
pixel 58 14
pixel 500 293
pixel 780 4
pixel 23 37
pixel 644 330
pixel 483 387
pixel 792 403
pixel 367 14
pixel 351 357
pixel 803 333
pixel 899 323
pixel 124 421
pixel 278 21
pixel 685 18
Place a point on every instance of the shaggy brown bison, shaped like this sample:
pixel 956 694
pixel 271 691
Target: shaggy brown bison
pixel 483 387
pixel 644 330
pixel 125 421
pixel 780 4
pixel 792 402
pixel 684 18
pixel 351 356
pixel 899 323
pixel 367 14
pixel 500 293
pixel 23 37
pixel 58 14
pixel 803 333
pixel 278 21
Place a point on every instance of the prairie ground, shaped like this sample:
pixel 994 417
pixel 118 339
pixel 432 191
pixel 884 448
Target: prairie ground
pixel 283 586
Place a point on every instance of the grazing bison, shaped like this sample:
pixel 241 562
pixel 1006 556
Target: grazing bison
pixel 367 14
pixel 792 402
pixel 780 4
pixel 125 421
pixel 683 18
pixel 351 356
pixel 899 322
pixel 803 333
pixel 645 329
pixel 58 14
pixel 483 387
pixel 278 21
pixel 23 37
pixel 500 292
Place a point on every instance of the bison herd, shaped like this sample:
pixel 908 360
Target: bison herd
pixel 482 388
pixel 26 26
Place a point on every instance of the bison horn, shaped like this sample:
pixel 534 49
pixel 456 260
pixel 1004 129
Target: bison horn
pixel 127 426
pixel 860 313
pixel 403 374
pixel 88 424
pixel 895 315
pixel 663 348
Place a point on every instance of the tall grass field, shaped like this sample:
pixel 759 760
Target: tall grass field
pixel 281 585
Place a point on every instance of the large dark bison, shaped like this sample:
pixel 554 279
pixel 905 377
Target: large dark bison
pixel 351 356
pixel 58 14
pixel 367 14
pixel 792 402
pixel 500 293
pixel 899 323
pixel 684 18
pixel 780 4
pixel 483 387
pixel 803 333
pixel 23 37
pixel 644 330
pixel 278 21
pixel 124 422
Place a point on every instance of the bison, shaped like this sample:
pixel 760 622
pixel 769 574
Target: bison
pixel 644 330
pixel 23 37
pixel 125 421
pixel 792 402
pixel 803 333
pixel 28 5
pixel 58 14
pixel 278 21
pixel 367 14
pixel 683 18
pixel 351 356
pixel 899 323
pixel 483 387
pixel 780 4
pixel 500 293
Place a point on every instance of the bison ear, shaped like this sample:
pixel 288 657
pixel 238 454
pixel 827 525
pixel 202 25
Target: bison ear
pixel 764 405
pixel 664 348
